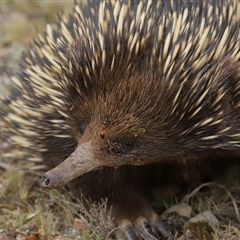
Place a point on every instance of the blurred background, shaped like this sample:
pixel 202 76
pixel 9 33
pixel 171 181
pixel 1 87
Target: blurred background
pixel 19 23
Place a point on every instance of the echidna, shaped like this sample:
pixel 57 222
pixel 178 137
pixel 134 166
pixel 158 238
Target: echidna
pixel 122 88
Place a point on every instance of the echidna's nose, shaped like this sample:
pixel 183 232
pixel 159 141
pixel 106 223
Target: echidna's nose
pixel 45 182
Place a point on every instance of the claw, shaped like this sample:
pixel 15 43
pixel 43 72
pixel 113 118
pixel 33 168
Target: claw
pixel 147 226
pixel 147 232
pixel 130 233
pixel 160 226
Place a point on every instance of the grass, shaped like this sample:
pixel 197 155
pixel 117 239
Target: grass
pixel 209 212
pixel 28 212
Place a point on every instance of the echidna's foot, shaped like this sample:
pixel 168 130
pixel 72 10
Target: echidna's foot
pixel 143 228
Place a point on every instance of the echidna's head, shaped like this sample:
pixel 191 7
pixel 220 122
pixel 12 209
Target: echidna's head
pixel 116 121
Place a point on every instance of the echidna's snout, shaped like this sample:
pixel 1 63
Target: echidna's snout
pixel 78 163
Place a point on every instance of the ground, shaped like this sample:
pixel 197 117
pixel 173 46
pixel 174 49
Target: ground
pixel 27 212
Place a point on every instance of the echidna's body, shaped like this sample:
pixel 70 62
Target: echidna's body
pixel 131 85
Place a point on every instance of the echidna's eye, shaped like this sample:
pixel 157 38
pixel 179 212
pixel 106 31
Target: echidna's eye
pixel 105 122
pixel 120 147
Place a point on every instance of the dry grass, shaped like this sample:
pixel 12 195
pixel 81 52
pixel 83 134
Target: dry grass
pixel 28 211
pixel 209 212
